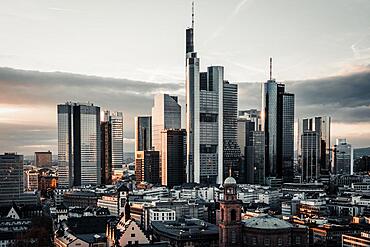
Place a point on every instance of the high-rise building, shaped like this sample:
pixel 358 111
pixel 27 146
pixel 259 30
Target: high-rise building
pixel 278 124
pixel 310 153
pixel 316 153
pixel 32 180
pixel 252 146
pixel 143 133
pixel 343 157
pixel 204 118
pixel 11 177
pixel 231 149
pixel 116 121
pixel 79 155
pixel 173 157
pixel 106 152
pixel 43 159
pixel 147 166
pixel 166 114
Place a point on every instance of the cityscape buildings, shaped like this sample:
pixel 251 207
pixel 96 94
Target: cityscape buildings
pixel 79 155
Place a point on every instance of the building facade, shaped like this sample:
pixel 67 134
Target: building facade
pixel 173 157
pixel 278 124
pixel 231 149
pixel 116 121
pixel 143 133
pixel 79 155
pixel 342 157
pixel 166 114
pixel 43 159
pixel 106 152
pixel 11 177
pixel 147 167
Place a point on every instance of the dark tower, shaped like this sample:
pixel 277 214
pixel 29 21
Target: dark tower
pixel 230 227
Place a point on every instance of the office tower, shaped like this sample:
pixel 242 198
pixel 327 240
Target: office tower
pixel 166 114
pixel 106 152
pixel 204 118
pixel 143 133
pixel 231 149
pixel 43 159
pixel 79 153
pixel 343 157
pixel 173 157
pixel 116 121
pixel 278 124
pixel 320 125
pixel 252 146
pixel 147 166
pixel 11 177
pixel 310 153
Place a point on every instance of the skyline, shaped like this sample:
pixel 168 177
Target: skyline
pixel 28 91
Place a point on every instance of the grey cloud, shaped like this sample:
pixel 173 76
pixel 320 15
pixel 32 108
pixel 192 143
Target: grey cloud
pixel 346 98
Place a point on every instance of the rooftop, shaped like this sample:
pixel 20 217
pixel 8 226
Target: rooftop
pixel 266 222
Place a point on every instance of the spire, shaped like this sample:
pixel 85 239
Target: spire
pixel 192 15
pixel 270 68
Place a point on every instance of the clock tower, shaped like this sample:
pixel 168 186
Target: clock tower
pixel 230 227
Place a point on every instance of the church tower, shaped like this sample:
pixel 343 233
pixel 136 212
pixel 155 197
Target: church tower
pixel 230 227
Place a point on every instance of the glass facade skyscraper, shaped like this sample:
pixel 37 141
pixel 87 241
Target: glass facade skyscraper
pixel 343 157
pixel 278 124
pixel 166 114
pixel 11 177
pixel 79 155
pixel 116 121
pixel 143 133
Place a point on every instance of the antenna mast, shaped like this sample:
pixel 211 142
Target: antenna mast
pixel 270 68
pixel 192 15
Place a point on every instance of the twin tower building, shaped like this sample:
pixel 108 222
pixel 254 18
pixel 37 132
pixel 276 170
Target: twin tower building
pixel 206 152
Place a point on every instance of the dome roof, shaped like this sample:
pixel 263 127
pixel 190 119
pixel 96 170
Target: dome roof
pixel 230 180
pixel 266 222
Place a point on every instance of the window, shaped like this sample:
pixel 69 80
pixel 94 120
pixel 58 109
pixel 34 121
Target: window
pixel 267 242
pixel 132 235
pixel 254 241
pixel 233 237
pixel 280 242
pixel 233 215
pixel 222 214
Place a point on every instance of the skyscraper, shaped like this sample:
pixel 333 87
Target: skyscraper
pixel 231 149
pixel 166 114
pixel 252 146
pixel 204 118
pixel 343 157
pixel 143 133
pixel 79 144
pixel 147 166
pixel 173 157
pixel 315 152
pixel 106 152
pixel 12 181
pixel 310 155
pixel 278 124
pixel 116 121
pixel 11 177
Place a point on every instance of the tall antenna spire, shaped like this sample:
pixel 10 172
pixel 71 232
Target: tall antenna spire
pixel 270 68
pixel 192 15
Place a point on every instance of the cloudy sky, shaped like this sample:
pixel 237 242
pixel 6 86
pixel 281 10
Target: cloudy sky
pixel 118 54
